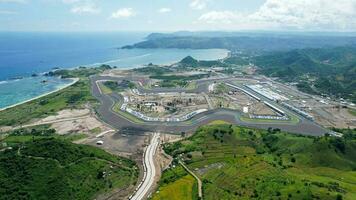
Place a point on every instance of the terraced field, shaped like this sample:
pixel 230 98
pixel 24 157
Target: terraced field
pixel 177 184
pixel 241 163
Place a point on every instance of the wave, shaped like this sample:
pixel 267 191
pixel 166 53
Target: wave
pixel 9 81
pixel 120 59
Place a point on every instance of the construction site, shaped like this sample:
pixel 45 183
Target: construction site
pixel 253 97
pixel 164 106
pixel 323 110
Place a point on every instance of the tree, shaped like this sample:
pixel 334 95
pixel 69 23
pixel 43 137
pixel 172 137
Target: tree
pixel 339 197
pixel 292 160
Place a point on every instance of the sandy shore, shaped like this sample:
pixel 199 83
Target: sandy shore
pixel 65 86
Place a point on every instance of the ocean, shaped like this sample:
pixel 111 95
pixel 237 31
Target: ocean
pixel 25 53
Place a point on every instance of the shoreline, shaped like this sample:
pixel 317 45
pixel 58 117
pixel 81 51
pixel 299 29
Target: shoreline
pixel 75 80
pixel 91 66
pixel 228 53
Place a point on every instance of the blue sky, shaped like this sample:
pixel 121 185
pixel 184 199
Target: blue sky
pixel 174 15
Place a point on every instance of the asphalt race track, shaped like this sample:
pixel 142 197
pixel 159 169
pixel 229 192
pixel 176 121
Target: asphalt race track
pixel 107 101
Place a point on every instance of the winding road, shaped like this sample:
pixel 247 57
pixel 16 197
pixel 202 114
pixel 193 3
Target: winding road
pixel 150 170
pixel 107 101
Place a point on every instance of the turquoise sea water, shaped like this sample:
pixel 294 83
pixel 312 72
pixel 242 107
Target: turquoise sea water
pixel 22 54
pixel 15 91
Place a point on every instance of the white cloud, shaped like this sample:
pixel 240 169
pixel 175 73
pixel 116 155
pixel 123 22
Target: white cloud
pixel 85 8
pixel 198 4
pixel 310 14
pixel 123 13
pixel 13 1
pixel 226 17
pixel 164 10
pixel 286 14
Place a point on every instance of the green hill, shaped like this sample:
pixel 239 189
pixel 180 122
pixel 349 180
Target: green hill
pixel 51 168
pixel 244 42
pixel 190 61
pixel 241 163
pixel 328 70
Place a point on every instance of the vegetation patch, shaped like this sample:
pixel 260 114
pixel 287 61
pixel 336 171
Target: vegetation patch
pixel 178 80
pixel 126 115
pixel 177 184
pixel 352 112
pixel 293 120
pixel 153 70
pixel 218 122
pixel 118 87
pixel 72 97
pixel 104 88
pixel 191 85
pixel 53 168
pixel 328 71
pixel 242 163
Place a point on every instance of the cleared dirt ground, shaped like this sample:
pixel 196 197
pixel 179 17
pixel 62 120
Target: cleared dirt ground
pixel 334 117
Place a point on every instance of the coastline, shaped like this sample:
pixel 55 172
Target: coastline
pixel 228 53
pixel 42 95
pixel 96 65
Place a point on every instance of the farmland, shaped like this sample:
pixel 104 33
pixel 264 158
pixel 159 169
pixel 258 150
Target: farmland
pixel 241 163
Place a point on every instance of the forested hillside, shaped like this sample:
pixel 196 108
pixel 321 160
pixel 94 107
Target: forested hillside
pixel 324 70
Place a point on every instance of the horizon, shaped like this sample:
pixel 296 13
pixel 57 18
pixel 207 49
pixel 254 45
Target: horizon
pixel 148 32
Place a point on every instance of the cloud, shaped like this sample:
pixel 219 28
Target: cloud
pixel 85 9
pixel 123 13
pixel 301 14
pixel 13 1
pixel 286 14
pixel 164 10
pixel 198 4
pixel 226 17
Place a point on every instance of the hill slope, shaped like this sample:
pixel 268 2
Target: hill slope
pixel 327 70
pixel 241 163
pixel 52 168
pixel 260 43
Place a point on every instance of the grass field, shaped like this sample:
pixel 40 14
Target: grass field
pixel 12 139
pixel 104 89
pixel 128 116
pixel 51 168
pixel 242 163
pixel 218 122
pixel 352 112
pixel 191 85
pixel 221 88
pixel 74 96
pixel 177 184
pixel 16 137
pixel 293 120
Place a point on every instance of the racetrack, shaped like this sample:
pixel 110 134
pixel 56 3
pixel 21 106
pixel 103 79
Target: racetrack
pixel 107 101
